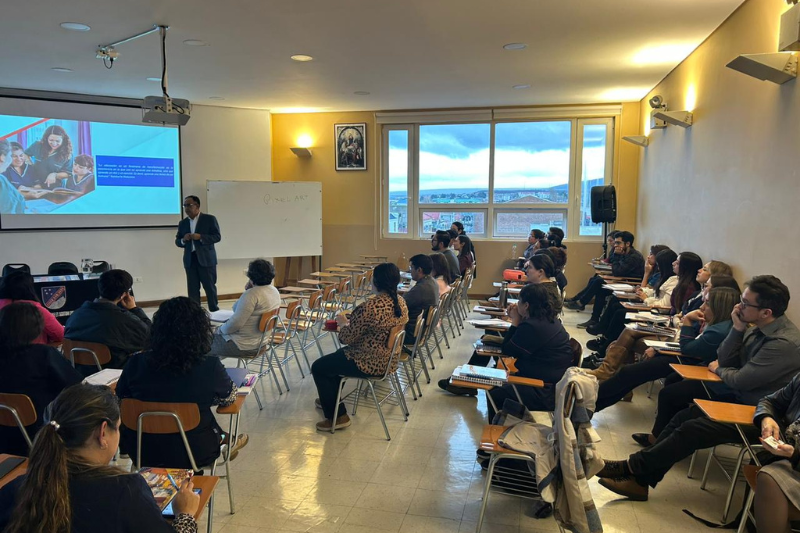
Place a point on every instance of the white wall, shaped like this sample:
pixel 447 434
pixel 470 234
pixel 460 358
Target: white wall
pixel 728 187
pixel 218 144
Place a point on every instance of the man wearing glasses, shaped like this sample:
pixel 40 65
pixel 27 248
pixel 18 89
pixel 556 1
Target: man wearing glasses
pixel 753 363
pixel 197 234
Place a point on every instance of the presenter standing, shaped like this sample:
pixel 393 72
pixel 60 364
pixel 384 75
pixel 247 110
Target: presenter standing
pixel 197 234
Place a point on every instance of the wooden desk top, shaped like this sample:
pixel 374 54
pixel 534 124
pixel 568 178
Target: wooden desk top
pixel 294 289
pixel 336 269
pixel 14 474
pixel 352 265
pixel 206 484
pixel 315 282
pixel 375 256
pixel 727 413
pixel 349 268
pixel 529 382
pixel 329 275
pixel 235 407
pixel 695 373
pixel 488 442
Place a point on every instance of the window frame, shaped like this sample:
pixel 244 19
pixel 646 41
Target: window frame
pixel 572 208
pixel 470 208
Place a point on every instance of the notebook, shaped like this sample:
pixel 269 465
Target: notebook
pixel 478 374
pixel 221 315
pixel 243 379
pixel 106 377
pixel 493 323
pixel 666 332
pixel 488 348
pixel 620 287
pixel 647 317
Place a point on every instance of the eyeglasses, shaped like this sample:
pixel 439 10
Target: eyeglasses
pixel 188 205
pixel 746 304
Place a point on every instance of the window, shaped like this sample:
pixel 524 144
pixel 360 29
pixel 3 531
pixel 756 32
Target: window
pixel 397 164
pixel 454 164
pixel 500 178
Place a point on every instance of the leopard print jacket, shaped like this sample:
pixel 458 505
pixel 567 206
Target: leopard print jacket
pixel 367 333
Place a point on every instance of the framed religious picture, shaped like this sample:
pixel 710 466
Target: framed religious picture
pixel 351 146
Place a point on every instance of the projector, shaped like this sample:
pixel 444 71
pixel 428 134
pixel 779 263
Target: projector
pixel 166 110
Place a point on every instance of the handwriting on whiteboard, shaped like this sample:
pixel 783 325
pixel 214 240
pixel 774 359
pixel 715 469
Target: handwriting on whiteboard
pixel 286 199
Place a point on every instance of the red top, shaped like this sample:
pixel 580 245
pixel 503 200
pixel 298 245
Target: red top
pixel 53 330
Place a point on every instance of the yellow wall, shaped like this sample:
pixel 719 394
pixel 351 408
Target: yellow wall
pixel 727 188
pixel 350 200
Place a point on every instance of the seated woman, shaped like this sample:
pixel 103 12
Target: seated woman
pixel 37 370
pixel 560 261
pixel 777 501
pixel 541 270
pixel 366 336
pixel 441 273
pixel 177 369
pixel 70 487
pixel 240 336
pixel 18 287
pixel 714 322
pixel 463 245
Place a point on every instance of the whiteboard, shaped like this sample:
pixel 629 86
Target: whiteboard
pixel 267 218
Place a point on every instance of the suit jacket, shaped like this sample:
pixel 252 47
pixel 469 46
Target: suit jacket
pixel 208 228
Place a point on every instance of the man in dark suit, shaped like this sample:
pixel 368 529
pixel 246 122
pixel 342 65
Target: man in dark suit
pixel 197 234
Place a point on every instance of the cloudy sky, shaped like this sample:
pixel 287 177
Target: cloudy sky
pixel 533 154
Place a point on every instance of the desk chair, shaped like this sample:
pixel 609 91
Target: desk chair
pixel 86 353
pixel 409 361
pixel 17 410
pixel 311 321
pixel 62 268
pixel 357 292
pixel 463 297
pixel 395 343
pixel 161 418
pixel 293 329
pixel 272 335
pixel 511 481
pixel 15 267
pixel 431 336
pixel 100 266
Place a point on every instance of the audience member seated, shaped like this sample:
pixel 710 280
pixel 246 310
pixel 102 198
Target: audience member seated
pixel 112 319
pixel 711 268
pixel 177 368
pixel 702 331
pixel 366 337
pixel 658 296
pixel 753 362
pixel 555 236
pixel 239 336
pixel 533 244
pixel 441 273
pixel 440 243
pixel 540 344
pixel 462 244
pixel 540 269
pixel 36 370
pixel 777 500
pixel 626 262
pixel 18 287
pixel 458 227
pixel 559 256
pixel 69 485
pixel 423 295
pixel 602 315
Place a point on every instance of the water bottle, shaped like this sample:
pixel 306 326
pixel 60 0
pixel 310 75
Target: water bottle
pixel 504 295
pixel 514 252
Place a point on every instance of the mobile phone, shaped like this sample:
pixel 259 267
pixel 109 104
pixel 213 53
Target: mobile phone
pixel 772 442
pixel 168 512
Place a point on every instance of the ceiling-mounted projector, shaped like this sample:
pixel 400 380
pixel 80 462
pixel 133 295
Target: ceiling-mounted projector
pixel 166 110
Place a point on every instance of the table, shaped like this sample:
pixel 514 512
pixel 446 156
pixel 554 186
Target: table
pixel 207 484
pixel 696 373
pixel 329 275
pixel 315 282
pixel 295 289
pixel 731 413
pixel 382 258
pixel 361 268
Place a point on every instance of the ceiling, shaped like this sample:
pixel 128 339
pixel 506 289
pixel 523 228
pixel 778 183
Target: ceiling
pixel 408 54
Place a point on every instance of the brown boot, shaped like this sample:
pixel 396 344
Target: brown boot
pixel 626 486
pixel 341 423
pixel 616 356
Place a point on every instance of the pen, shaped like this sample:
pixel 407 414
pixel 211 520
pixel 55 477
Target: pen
pixel 171 480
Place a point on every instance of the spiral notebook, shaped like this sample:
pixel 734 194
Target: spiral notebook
pixel 479 374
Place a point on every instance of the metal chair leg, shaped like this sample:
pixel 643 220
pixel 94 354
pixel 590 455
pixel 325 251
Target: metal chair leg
pixel 691 464
pixel 732 488
pixel 378 407
pixel 486 487
pixel 342 381
pixel 711 455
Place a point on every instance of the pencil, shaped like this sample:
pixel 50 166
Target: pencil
pixel 172 480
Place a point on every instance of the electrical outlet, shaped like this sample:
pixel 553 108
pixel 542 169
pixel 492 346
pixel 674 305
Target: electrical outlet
pixel 137 279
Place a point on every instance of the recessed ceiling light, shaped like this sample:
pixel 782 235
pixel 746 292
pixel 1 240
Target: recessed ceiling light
pixel 216 98
pixel 195 42
pixel 153 79
pixel 361 93
pixel 521 86
pixel 74 26
pixel 61 69
pixel 302 57
pixel 515 46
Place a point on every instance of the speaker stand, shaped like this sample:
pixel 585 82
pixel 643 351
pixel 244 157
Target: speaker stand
pixel 605 240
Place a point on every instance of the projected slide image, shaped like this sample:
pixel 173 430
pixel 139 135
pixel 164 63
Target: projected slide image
pixel 78 167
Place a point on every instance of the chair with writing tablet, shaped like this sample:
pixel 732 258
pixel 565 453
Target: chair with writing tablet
pixel 15 267
pixel 410 361
pixel 86 353
pixel 162 418
pixel 17 410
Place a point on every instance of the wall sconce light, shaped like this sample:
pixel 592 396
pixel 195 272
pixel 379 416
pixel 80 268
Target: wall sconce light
pixel 778 67
pixel 638 140
pixel 300 152
pixel 676 118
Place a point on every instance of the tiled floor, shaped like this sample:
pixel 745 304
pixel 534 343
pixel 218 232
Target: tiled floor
pixel 292 478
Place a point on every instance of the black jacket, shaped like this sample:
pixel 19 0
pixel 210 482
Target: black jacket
pixel 423 295
pixel 782 405
pixel 206 384
pixel 542 349
pixel 40 372
pixel 630 265
pixel 208 228
pixel 124 332
pixel 113 504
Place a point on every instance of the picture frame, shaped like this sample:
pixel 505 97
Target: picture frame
pixel 351 146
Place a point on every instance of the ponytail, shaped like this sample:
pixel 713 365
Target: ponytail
pixel 43 500
pixel 386 277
